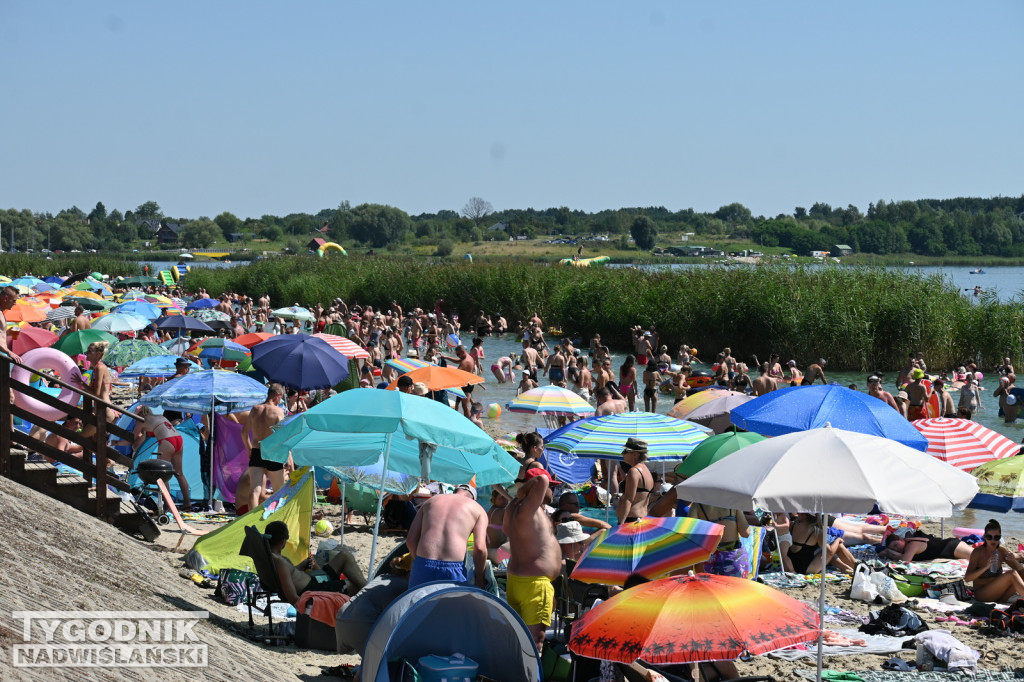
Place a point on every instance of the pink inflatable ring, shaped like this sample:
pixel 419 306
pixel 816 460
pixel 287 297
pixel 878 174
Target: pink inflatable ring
pixel 66 369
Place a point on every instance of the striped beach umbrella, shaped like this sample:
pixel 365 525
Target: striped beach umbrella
pixel 553 400
pixel 668 438
pixel 683 408
pixel 650 546
pixel 349 349
pixel 964 443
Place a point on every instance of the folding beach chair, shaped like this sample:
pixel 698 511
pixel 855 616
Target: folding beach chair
pixel 257 547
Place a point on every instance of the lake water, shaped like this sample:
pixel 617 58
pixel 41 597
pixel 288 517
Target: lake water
pixel 493 392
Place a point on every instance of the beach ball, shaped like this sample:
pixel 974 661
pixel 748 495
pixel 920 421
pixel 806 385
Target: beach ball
pixel 324 528
pixel 493 411
pixel 452 340
pixel 979 375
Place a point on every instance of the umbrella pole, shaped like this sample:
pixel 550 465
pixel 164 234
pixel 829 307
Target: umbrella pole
pixel 213 421
pixel 380 504
pixel 341 535
pixel 821 595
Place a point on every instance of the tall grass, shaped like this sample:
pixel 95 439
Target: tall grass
pixel 857 318
pixel 17 264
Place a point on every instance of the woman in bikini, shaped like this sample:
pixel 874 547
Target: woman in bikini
pixel 532 445
pixel 627 381
pixel 635 489
pixel 805 552
pixel 985 569
pixel 169 445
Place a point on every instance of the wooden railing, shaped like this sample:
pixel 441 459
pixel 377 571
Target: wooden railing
pixel 96 444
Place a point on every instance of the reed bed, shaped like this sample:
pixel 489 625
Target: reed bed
pixel 857 318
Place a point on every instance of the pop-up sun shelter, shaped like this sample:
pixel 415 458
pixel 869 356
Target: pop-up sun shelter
pixel 293 504
pixel 444 619
pixel 190 462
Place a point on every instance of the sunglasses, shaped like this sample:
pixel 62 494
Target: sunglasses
pixel 993 537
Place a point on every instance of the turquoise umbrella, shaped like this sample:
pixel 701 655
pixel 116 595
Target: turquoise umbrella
pixel 356 427
pixel 139 308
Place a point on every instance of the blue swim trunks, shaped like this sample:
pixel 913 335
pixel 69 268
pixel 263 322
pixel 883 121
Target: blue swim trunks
pixel 834 533
pixel 431 570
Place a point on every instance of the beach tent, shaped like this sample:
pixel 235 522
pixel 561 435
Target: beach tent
pixel 293 504
pixel 190 462
pixel 443 619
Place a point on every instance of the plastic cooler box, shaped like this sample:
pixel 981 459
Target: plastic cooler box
pixel 454 668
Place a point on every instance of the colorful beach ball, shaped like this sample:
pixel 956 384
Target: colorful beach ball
pixel 452 340
pixel 324 528
pixel 493 411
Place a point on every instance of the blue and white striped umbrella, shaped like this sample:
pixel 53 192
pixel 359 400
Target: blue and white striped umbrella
pixel 667 438
pixel 207 390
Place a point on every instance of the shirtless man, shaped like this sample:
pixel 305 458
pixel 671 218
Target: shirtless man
pixel 536 557
pixel 530 360
pixel 947 408
pixel 607 404
pixel 876 391
pixel 80 322
pixel 582 381
pixel 602 372
pixel 258 426
pixel 795 375
pixel 764 383
pixel 815 372
pixel 467 363
pixel 439 535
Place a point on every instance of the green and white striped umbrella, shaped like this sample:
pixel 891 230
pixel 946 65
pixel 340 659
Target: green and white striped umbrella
pixel 667 438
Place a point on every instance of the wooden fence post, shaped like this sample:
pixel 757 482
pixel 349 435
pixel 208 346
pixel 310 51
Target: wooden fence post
pixel 100 412
pixel 5 418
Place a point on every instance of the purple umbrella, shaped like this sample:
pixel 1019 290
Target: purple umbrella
pixel 300 361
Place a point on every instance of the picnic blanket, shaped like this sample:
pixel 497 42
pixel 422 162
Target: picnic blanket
pixel 876 644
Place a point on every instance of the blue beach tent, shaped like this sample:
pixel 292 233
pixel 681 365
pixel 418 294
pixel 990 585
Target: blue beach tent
pixel 190 462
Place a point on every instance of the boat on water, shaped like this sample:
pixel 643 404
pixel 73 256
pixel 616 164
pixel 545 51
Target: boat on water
pixel 977 271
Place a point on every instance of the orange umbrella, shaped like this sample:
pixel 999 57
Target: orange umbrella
pixel 250 340
pixel 439 378
pixel 26 312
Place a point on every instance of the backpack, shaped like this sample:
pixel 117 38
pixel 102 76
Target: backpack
pixel 234 586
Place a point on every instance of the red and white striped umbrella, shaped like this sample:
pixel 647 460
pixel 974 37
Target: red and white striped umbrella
pixel 349 349
pixel 963 443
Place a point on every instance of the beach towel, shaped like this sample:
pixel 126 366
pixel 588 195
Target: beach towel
pixel 230 458
pixel 325 606
pixel 876 644
pixel 888 676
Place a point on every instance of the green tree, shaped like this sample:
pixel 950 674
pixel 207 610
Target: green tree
pixel 228 222
pixel 644 232
pixel 200 234
pixel 148 211
pixel 379 225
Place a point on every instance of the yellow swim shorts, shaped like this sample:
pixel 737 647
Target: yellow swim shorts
pixel 532 597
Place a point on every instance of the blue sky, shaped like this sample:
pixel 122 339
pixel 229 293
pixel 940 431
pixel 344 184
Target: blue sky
pixel 272 107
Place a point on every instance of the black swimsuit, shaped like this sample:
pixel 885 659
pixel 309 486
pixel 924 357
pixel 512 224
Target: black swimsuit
pixel 639 489
pixel 802 557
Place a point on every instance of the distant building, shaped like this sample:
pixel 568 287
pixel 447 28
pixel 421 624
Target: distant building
pixel 168 233
pixel 315 243
pixel 843 249
pixel 498 227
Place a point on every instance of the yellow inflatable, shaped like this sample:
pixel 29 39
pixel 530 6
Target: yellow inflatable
pixel 331 245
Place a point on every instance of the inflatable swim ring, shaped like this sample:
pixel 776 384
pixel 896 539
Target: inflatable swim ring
pixel 47 358
pixel 964 532
pixel 331 246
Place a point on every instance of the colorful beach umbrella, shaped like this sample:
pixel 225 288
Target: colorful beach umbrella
pixel 26 311
pixel 668 438
pixel 693 618
pixel 714 414
pixel 683 408
pixel 964 443
pixel 29 338
pixel 1000 485
pixel 120 322
pixel 652 547
pixel 206 390
pixel 406 365
pixel 129 351
pixel 76 343
pixel 300 361
pixel 440 378
pixel 202 303
pixel 715 448
pixel 223 349
pixel 250 340
pixel 553 400
pixel 349 349
pixel 802 408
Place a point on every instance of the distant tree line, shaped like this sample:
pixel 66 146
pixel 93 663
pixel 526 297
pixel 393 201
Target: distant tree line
pixel 934 227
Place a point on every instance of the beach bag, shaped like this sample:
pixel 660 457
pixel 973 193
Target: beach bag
pixel 235 586
pixel 887 588
pixel 958 588
pixel 863 588
pixel 894 621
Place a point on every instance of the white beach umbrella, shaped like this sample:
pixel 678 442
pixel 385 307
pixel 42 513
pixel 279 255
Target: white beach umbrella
pixel 831 470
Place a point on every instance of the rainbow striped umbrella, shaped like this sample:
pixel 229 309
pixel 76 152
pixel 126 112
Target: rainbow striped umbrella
pixel 651 546
pixel 692 618
pixel 963 443
pixel 350 349
pixel 551 400
pixel 683 408
pixel 668 438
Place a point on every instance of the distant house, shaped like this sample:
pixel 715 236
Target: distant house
pixel 239 236
pixel 315 243
pixel 168 233
pixel 498 227
pixel 843 250
pixel 152 225
pixel 695 251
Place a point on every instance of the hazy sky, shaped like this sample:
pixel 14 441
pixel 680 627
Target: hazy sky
pixel 279 107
